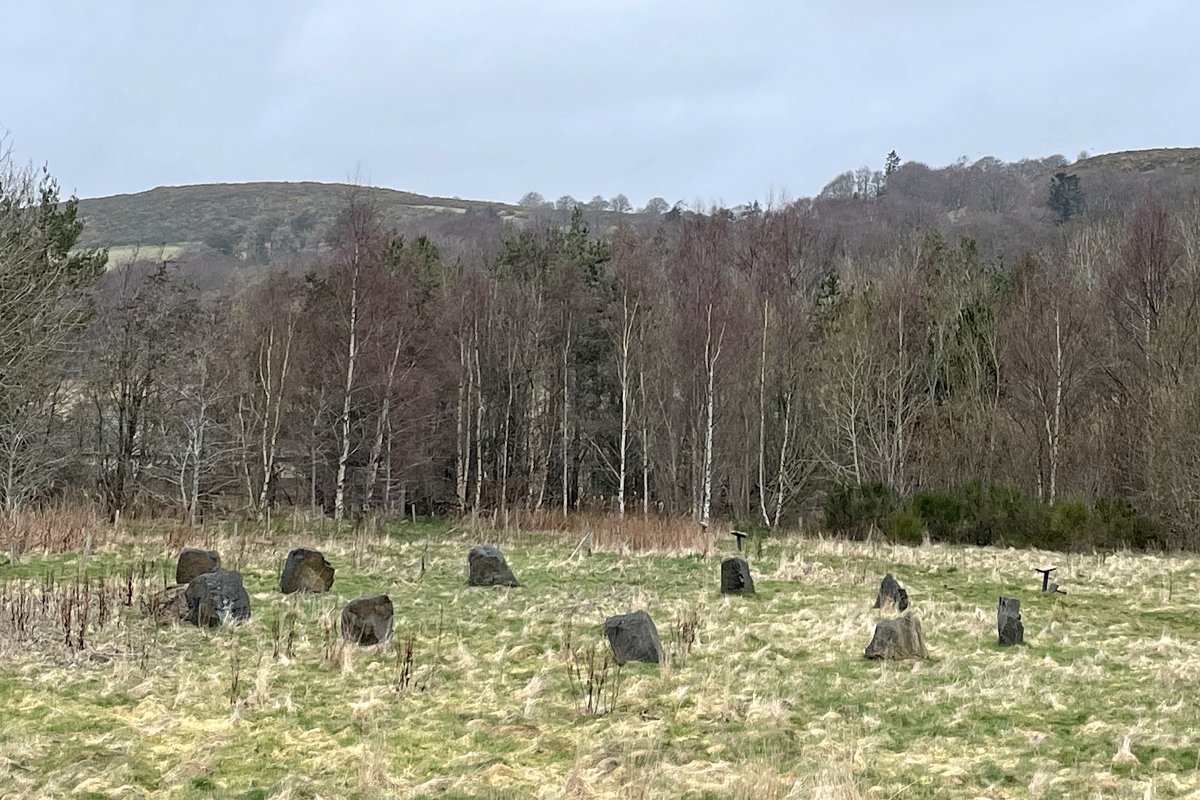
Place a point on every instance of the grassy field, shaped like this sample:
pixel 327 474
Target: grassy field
pixel 126 254
pixel 483 691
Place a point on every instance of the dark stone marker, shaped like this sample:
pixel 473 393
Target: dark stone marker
pixel 193 562
pixel 896 639
pixel 735 576
pixel 217 597
pixel 487 567
pixel 1008 622
pixel 891 595
pixel 305 571
pixel 633 637
pixel 367 620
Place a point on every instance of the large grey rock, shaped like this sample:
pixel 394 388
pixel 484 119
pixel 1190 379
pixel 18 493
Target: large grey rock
pixel 735 576
pixel 1008 622
pixel 892 596
pixel 896 639
pixel 368 620
pixel 486 567
pixel 633 637
pixel 193 562
pixel 305 571
pixel 216 598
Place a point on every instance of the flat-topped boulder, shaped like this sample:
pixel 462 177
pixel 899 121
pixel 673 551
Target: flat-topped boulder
pixel 486 566
pixel 305 571
pixel 633 637
pixel 1008 622
pixel 194 561
pixel 217 598
pixel 368 620
pixel 896 639
pixel 892 596
pixel 735 576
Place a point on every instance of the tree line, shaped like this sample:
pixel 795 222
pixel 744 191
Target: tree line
pixel 745 366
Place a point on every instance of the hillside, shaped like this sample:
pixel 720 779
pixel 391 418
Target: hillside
pixel 263 220
pixel 1000 205
pixel 1165 159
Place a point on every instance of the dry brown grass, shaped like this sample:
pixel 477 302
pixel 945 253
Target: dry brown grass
pixel 59 528
pixel 632 533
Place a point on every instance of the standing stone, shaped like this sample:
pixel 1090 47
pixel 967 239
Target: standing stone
pixel 217 597
pixel 305 571
pixel 1008 622
pixel 193 562
pixel 892 596
pixel 896 639
pixel 367 620
pixel 487 567
pixel 633 637
pixel 735 576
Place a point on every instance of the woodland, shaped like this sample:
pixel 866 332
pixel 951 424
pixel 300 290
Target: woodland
pixel 986 353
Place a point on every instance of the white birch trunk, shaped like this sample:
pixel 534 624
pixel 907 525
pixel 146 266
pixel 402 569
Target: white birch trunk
pixel 762 419
pixel 382 422
pixel 712 352
pixel 273 401
pixel 566 404
pixel 462 428
pixel 628 317
pixel 478 425
pixel 339 502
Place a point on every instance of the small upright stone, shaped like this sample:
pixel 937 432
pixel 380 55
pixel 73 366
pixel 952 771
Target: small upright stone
pixel 367 620
pixel 633 637
pixel 305 571
pixel 735 576
pixel 216 598
pixel 193 562
pixel 1008 622
pixel 898 638
pixel 487 567
pixel 892 596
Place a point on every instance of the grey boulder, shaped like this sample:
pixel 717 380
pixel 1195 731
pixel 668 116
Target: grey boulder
pixel 305 571
pixel 633 637
pixel 1008 622
pixel 167 607
pixel 216 598
pixel 486 567
pixel 892 596
pixel 368 620
pixel 896 639
pixel 193 561
pixel 735 576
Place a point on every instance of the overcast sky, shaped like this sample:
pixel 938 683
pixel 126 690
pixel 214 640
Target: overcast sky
pixel 693 100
